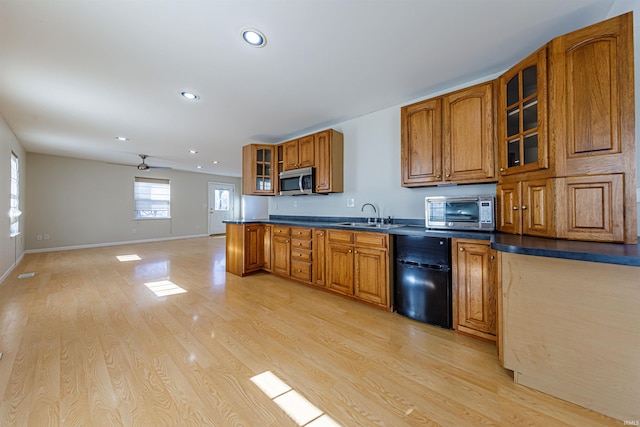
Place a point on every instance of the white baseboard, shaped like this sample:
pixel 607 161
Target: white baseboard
pixel 13 266
pixel 99 245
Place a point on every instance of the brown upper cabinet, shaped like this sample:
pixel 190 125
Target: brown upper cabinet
pixel 322 150
pixel 522 116
pixel 258 173
pixel 566 117
pixel 329 155
pixel 450 138
pixel 299 153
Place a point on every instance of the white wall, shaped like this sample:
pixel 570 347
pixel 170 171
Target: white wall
pixel 11 248
pixel 87 203
pixel 372 160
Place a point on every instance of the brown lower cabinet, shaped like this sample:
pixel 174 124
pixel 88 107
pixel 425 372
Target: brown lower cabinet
pixel 355 264
pixel 475 278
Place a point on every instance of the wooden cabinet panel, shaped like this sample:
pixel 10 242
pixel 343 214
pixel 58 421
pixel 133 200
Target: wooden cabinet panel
pixel 594 206
pixel 508 209
pixel 340 268
pixel 468 135
pixel 329 161
pixel 281 255
pixel 319 254
pixel 379 240
pixel 301 270
pixel 526 207
pixel 371 270
pixel 593 83
pixel 267 247
pixel 300 233
pixel 253 247
pixel 450 138
pixel 299 153
pixel 421 143
pixel 258 173
pixel 523 143
pixel 340 236
pixel 475 308
pixel 244 248
pixel 537 207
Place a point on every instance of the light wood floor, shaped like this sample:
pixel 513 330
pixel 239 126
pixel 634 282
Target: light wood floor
pixel 86 343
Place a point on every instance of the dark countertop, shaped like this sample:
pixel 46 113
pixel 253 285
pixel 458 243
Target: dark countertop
pixel 609 253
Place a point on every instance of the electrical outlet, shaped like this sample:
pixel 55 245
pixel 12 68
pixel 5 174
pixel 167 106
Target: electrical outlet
pixel 351 202
pixel 39 237
pixel 295 203
pixel 45 237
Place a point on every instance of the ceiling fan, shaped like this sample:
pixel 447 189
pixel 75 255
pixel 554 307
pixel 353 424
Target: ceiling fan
pixel 143 166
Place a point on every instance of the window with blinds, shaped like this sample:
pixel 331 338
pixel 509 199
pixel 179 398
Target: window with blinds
pixel 152 198
pixel 14 210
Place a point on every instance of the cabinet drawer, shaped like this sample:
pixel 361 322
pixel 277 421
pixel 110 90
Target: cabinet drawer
pixel 300 233
pixel 300 244
pixel 340 236
pixel 301 254
pixel 378 240
pixel 280 231
pixel 301 270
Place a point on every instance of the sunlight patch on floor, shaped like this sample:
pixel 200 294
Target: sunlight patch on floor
pixel 125 258
pixel 164 288
pixel 290 401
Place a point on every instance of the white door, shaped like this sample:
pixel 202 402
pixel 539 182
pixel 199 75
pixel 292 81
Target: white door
pixel 221 200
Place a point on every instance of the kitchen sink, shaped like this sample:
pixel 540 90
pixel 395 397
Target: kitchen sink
pixel 367 225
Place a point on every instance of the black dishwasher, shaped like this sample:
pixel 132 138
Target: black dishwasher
pixel 423 279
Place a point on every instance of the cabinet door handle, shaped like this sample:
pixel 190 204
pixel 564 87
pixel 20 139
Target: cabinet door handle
pixel 501 169
pixel 448 175
pixel 438 176
pixel 493 257
pixel 461 249
pixel 350 251
pixel 515 208
pixel 523 207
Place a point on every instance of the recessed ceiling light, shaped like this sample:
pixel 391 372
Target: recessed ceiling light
pixel 122 138
pixel 215 162
pixel 199 167
pixel 253 37
pixel 190 95
pixel 193 151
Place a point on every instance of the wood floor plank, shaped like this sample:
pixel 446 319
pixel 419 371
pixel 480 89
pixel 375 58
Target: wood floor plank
pixel 86 343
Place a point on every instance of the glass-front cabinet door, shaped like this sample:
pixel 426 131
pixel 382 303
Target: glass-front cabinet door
pixel 258 174
pixel 522 111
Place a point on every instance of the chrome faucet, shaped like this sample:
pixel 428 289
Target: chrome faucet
pixel 375 211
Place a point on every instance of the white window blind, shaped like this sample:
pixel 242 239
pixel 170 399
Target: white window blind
pixel 14 211
pixel 152 198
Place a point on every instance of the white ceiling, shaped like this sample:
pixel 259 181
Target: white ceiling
pixel 76 74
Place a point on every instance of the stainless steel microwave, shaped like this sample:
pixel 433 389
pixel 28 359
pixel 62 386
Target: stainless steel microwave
pixel 297 182
pixel 460 213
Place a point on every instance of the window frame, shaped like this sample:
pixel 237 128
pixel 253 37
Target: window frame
pixel 14 196
pixel 162 189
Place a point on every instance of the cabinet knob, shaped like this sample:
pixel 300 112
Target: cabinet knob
pixel 350 251
pixel 299 271
pixel 501 169
pixel 438 176
pixel 523 207
pixel 461 249
pixel 515 208
pixel 448 175
pixel 493 257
